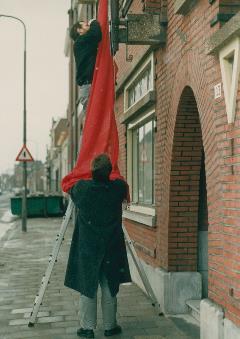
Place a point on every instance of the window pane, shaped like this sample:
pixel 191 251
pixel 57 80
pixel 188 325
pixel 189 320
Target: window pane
pixel 148 168
pixel 140 164
pixel 149 79
pixel 143 164
pixel 140 87
pixel 135 166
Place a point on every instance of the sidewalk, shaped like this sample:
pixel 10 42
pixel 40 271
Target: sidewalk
pixel 23 260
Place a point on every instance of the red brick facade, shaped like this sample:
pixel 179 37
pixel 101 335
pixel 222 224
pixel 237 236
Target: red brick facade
pixel 191 125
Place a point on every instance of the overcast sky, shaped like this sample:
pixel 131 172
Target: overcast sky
pixel 47 75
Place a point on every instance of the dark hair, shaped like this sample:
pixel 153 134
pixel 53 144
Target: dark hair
pixel 73 31
pixel 101 167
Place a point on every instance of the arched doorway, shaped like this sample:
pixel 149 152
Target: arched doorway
pixel 188 221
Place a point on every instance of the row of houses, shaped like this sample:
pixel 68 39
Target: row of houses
pixel 178 117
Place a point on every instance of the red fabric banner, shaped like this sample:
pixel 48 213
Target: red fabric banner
pixel 100 130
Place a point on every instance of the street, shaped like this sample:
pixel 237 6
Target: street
pixel 24 258
pixel 6 217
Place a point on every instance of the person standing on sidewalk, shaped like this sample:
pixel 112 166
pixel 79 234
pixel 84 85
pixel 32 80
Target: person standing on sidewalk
pixel 98 253
pixel 86 37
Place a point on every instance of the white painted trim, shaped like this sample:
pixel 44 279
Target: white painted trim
pixel 130 160
pixel 139 120
pixel 142 209
pixel 230 76
pixel 145 219
pixel 149 60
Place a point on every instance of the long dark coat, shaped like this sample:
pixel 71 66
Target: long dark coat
pixel 98 239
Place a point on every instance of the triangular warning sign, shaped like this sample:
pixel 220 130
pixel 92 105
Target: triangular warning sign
pixel 24 155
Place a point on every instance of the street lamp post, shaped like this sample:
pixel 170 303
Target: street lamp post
pixel 24 198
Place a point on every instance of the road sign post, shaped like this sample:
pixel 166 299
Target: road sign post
pixel 25 156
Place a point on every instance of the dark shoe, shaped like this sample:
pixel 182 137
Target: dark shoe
pixel 113 331
pixel 85 333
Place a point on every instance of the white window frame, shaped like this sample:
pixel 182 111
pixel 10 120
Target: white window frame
pixel 230 75
pixel 137 207
pixel 142 68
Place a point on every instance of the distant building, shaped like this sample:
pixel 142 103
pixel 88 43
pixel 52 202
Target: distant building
pixel 6 182
pixel 57 156
pixel 35 176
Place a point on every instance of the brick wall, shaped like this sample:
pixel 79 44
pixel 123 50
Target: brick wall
pixel 190 120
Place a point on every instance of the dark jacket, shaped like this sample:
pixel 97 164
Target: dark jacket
pixel 98 239
pixel 85 53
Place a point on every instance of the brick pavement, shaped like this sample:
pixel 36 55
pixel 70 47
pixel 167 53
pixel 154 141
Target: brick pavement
pixel 23 260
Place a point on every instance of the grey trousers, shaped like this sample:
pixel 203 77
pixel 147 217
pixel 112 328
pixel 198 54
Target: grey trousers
pixel 84 91
pixel 88 308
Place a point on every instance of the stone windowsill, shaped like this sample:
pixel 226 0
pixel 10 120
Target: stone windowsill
pixel 140 106
pixel 145 219
pixel 219 39
pixel 183 6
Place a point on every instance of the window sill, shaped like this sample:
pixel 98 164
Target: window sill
pixel 146 101
pixel 145 219
pixel 183 6
pixel 220 38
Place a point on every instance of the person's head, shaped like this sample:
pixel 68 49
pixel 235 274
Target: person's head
pixel 101 167
pixel 78 28
pixel 83 27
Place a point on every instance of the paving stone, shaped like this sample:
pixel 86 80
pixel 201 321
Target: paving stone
pixel 72 330
pixel 148 337
pixel 40 314
pixel 21 310
pixel 25 261
pixel 65 312
pixel 18 322
pixel 50 319
pixel 65 324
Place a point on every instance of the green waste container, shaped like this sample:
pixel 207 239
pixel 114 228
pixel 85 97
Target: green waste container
pixel 36 206
pixel 16 205
pixel 54 205
pixel 39 206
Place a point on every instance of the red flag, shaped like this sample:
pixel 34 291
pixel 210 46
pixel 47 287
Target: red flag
pixel 100 130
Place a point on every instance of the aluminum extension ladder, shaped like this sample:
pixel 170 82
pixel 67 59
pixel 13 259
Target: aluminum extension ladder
pixel 53 258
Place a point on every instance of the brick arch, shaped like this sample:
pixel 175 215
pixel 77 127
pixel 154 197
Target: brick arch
pixel 184 185
pixel 189 72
